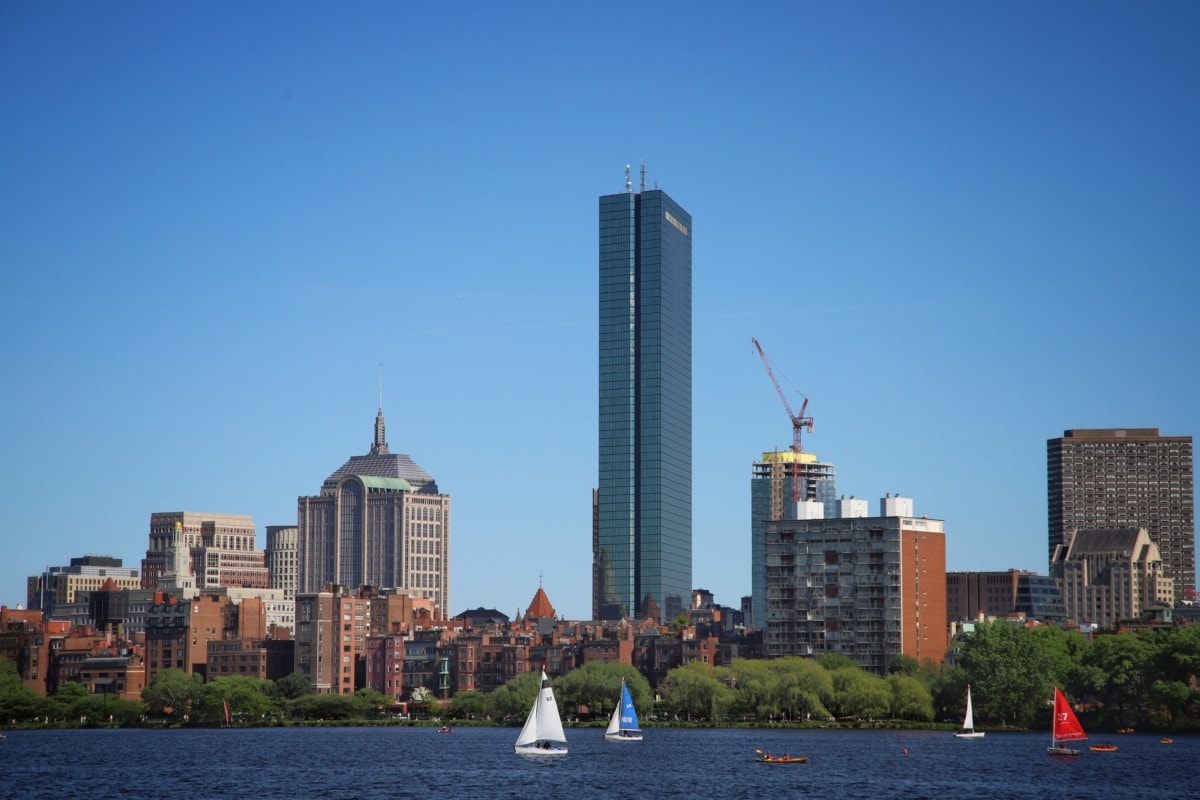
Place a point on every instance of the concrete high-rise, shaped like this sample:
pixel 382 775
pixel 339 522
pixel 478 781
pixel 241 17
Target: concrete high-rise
pixel 870 588
pixel 642 546
pixel 770 498
pixel 1126 478
pixel 378 521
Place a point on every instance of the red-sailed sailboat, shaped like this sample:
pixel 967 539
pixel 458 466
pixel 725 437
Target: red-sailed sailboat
pixel 1065 727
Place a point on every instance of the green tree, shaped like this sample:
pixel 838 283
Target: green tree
pixel 832 662
pixel 691 692
pixel 757 691
pixel 293 686
pixel 858 693
pixel 249 699
pixel 468 704
pixel 910 698
pixel 72 703
pixel 1119 679
pixel 597 686
pixel 373 700
pixel 335 707
pixel 791 687
pixel 172 691
pixel 1012 671
pixel 513 700
pixel 1172 697
pixel 18 703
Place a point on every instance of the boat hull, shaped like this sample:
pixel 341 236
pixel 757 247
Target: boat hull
pixel 799 760
pixel 1062 751
pixel 622 737
pixel 970 735
pixel 535 750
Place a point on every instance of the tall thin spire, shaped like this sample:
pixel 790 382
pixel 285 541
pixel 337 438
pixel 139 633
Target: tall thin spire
pixel 379 446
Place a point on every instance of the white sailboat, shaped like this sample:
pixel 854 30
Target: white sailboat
pixel 623 727
pixel 543 732
pixel 968 727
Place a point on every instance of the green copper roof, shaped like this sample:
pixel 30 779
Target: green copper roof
pixel 386 484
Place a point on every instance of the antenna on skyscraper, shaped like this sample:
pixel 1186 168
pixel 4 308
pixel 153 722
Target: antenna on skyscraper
pixel 628 182
pixel 643 174
pixel 381 386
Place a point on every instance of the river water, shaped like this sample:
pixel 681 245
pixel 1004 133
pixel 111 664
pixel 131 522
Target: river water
pixel 704 764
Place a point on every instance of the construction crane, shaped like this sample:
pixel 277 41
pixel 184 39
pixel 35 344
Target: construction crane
pixel 799 423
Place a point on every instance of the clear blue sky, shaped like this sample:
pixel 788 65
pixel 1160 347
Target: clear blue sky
pixel 958 228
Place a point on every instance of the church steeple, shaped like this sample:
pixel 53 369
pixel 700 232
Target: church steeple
pixel 379 447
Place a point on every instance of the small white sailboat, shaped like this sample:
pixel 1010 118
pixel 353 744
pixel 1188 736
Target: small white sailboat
pixel 968 727
pixel 1065 727
pixel 543 732
pixel 623 727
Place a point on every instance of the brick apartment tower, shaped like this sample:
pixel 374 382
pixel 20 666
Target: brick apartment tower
pixel 870 588
pixel 1126 478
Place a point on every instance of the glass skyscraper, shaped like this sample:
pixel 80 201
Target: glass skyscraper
pixel 643 540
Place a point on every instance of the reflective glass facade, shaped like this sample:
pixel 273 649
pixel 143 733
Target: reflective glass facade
pixel 643 549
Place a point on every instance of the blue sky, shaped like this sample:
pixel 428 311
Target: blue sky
pixel 958 228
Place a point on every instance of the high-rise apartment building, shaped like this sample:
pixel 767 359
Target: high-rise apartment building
pixel 642 559
pixel 218 550
pixel 281 558
pixel 379 521
pixel 1126 478
pixel 331 632
pixel 870 588
pixel 770 498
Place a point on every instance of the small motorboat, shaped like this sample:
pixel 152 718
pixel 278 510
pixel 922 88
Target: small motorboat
pixel 1166 740
pixel 1103 747
pixel 1125 730
pixel 445 729
pixel 767 758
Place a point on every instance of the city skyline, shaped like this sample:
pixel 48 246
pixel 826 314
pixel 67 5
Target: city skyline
pixel 958 230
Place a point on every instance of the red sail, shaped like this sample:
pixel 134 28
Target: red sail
pixel 1066 726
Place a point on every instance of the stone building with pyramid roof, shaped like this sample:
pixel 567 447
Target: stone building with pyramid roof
pixel 379 520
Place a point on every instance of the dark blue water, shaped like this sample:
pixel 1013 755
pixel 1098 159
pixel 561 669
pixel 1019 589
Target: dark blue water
pixel 362 763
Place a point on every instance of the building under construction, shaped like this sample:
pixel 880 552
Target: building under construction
pixel 778 477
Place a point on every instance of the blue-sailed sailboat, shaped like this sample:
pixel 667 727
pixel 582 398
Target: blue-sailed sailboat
pixel 623 727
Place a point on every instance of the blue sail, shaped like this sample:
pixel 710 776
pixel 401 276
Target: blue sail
pixel 629 720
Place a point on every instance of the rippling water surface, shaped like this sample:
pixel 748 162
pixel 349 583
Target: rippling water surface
pixel 362 763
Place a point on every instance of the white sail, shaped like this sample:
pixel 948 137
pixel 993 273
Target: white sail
pixel 968 729
pixel 614 723
pixel 543 730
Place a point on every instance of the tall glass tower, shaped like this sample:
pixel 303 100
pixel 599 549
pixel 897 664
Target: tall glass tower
pixel 642 547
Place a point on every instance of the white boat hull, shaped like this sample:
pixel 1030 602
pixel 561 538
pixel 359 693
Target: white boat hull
pixel 1062 751
pixel 536 750
pixel 970 735
pixel 617 737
